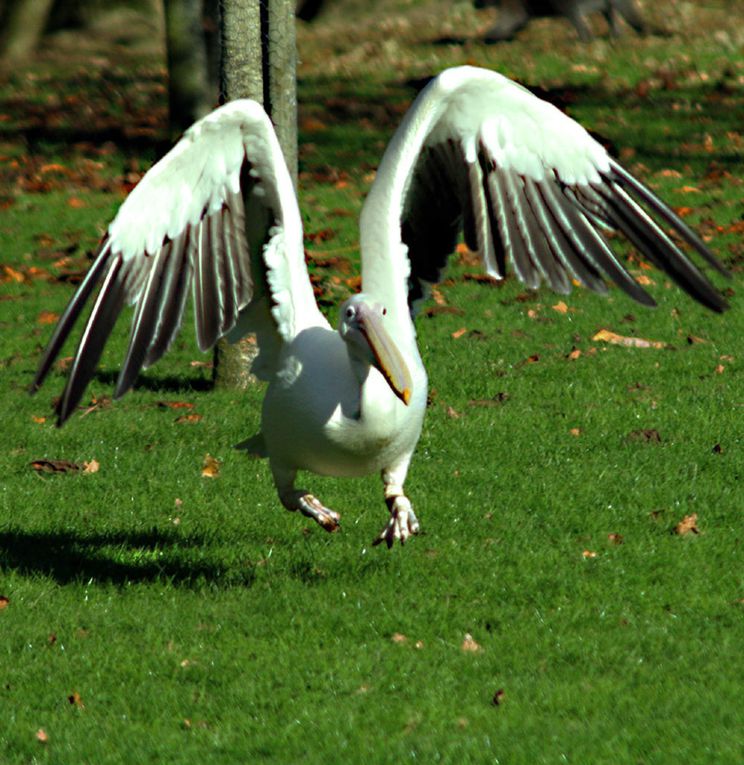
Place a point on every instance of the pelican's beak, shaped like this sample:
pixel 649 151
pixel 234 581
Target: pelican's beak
pixel 388 359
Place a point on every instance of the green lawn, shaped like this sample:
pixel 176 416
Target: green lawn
pixel 151 615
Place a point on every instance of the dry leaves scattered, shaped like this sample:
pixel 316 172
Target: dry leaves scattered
pixel 606 336
pixel 210 467
pixel 469 645
pixel 688 525
pixel 65 466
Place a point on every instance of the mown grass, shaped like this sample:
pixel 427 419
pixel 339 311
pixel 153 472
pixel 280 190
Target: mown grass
pixel 156 616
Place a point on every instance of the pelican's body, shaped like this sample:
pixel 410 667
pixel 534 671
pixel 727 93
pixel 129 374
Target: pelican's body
pixel 319 416
pixel 476 154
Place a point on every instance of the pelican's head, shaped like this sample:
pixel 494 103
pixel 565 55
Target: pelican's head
pixel 362 327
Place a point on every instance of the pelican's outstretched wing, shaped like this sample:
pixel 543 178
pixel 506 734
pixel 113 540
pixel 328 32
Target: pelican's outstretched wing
pixel 479 153
pixel 218 214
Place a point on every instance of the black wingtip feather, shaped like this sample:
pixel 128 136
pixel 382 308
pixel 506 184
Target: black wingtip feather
pixel 70 316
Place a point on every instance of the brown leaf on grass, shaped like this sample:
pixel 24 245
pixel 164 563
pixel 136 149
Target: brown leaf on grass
pixel 175 405
pixel 719 370
pixel 645 435
pixel 482 279
pixel 606 336
pixel 4 602
pixel 41 736
pixel 75 700
pixel 533 359
pixel 694 340
pixel 398 637
pixel 644 280
pixel 322 235
pixel 575 431
pixel 55 466
pixel 616 539
pixel 469 645
pixel 688 525
pixel 93 466
pixel 210 467
pixel 717 449
pixel 76 203
pixel 499 697
pixel 436 310
pixel 47 317
pixel 574 354
pixel 589 554
pixel 39 420
pixel 188 418
pixel 561 307
pixel 452 413
pixel 458 333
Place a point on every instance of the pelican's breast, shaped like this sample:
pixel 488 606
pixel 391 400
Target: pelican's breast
pixel 316 418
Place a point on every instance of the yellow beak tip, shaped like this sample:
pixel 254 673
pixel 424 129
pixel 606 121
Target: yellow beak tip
pixel 406 396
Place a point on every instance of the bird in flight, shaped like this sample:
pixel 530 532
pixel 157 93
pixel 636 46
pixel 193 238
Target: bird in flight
pixel 476 155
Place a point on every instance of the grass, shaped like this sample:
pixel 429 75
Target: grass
pixel 156 616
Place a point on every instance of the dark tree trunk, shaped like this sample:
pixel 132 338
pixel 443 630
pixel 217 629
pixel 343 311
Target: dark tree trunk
pixel 259 62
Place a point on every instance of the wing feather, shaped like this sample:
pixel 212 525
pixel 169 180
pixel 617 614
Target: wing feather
pixel 183 229
pixel 531 186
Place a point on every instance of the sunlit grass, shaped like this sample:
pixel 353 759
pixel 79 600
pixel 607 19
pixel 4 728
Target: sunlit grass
pixel 157 616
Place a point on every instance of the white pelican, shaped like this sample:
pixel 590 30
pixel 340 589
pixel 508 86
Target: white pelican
pixel 476 153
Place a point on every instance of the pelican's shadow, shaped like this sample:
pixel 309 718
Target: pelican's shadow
pixel 116 557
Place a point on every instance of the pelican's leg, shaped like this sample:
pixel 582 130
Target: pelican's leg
pixel 299 499
pixel 403 522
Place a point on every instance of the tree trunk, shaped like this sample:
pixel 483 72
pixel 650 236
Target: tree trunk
pixel 258 62
pixel 190 94
pixel 24 25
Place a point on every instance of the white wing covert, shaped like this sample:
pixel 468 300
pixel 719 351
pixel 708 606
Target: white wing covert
pixel 479 154
pixel 219 214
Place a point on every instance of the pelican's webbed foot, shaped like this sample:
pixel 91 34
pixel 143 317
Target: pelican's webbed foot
pixel 310 506
pixel 402 524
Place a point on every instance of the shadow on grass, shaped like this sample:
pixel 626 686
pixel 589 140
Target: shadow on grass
pixel 159 383
pixel 117 557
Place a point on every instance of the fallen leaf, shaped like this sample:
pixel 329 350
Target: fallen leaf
pixel 616 539
pixel 452 413
pixel 606 336
pixel 47 317
pixel 55 466
pixel 91 467
pixel 4 602
pixel 688 525
pixel 210 467
pixel 644 280
pixel 398 637
pixel 175 405
pixel 589 554
pixel 717 449
pixel 469 645
pixel 529 360
pixel 188 418
pixel 645 435
pixel 75 700
pixel 719 370
pixel 41 735
pixel 499 697
pixel 458 333
pixel 574 354
pixel 561 307
pixel 76 203
pixel 575 431
pixel 39 420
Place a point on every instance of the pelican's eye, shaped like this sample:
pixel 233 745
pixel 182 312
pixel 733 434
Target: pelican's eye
pixel 350 312
pixel 384 311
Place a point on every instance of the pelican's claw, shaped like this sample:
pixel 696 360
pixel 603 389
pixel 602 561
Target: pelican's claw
pixel 402 524
pixel 313 508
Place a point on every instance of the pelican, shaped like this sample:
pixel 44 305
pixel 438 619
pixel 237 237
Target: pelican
pixel 476 154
